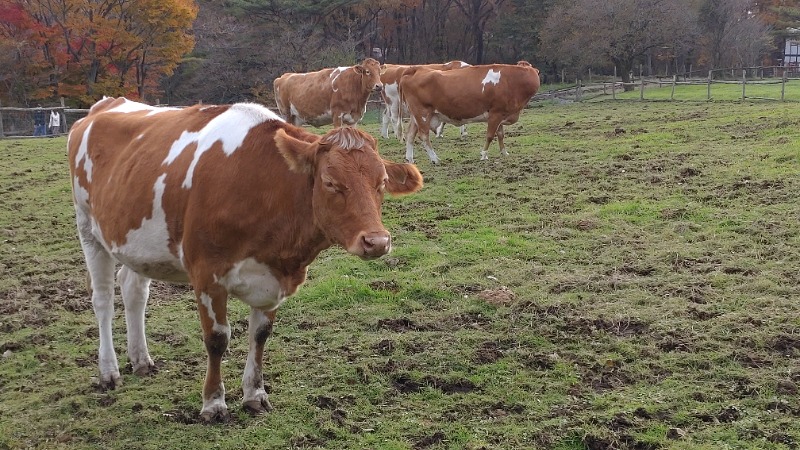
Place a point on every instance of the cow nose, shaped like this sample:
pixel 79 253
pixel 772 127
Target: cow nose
pixel 378 88
pixel 376 244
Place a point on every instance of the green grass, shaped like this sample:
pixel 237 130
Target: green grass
pixel 626 278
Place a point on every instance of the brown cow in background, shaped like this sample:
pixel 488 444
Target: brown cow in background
pixel 494 93
pixel 338 96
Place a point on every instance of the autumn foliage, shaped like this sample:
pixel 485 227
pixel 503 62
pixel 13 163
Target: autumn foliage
pixel 85 49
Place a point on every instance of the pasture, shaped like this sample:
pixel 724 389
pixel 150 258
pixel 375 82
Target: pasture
pixel 628 277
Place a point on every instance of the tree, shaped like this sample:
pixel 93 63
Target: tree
pixel 732 34
pixel 478 13
pixel 114 47
pixel 591 33
pixel 783 17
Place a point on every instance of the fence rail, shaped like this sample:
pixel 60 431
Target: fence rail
pixel 749 78
pixel 757 83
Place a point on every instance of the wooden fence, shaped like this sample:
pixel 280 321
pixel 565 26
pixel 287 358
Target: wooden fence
pixel 747 78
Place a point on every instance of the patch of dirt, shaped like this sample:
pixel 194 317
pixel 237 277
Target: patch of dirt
pixel 429 441
pixel 404 384
pixel 398 325
pixel 487 352
pixel 540 361
pixel 699 314
pixel 474 320
pixel 501 296
pixel 385 347
pixel 501 409
pixel 606 376
pixel 622 327
pixel 382 285
pixel 785 344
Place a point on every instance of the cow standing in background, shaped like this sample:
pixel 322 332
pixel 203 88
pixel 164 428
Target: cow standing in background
pixel 338 96
pixel 494 93
pixel 231 199
pixel 393 108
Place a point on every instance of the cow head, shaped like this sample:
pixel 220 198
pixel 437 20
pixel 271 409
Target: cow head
pixel 349 182
pixel 370 71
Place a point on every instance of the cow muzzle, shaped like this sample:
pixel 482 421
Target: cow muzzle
pixel 373 244
pixel 378 88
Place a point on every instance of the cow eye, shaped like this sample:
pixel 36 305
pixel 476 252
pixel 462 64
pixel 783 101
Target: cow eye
pixel 382 186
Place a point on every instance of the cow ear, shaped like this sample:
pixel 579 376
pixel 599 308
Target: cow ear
pixel 403 178
pixel 360 69
pixel 299 155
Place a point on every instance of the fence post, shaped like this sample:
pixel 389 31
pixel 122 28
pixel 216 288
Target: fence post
pixel 674 80
pixel 577 89
pixel 614 85
pixel 783 92
pixel 2 132
pixel 744 82
pixel 708 97
pixel 641 80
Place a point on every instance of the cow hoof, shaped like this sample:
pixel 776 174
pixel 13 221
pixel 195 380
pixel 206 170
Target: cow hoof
pixel 219 415
pixel 145 370
pixel 258 406
pixel 109 383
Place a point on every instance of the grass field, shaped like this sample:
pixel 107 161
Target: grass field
pixel 628 277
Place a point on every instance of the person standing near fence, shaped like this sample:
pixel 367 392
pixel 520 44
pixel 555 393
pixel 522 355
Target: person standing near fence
pixel 55 122
pixel 39 122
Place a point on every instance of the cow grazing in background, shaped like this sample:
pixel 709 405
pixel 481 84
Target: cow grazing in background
pixel 393 109
pixel 494 93
pixel 338 96
pixel 231 199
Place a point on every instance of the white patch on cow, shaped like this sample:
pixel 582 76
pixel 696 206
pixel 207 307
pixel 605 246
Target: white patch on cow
pixel 254 284
pixel 146 249
pixel 492 76
pixel 129 106
pixel 206 300
pixel 334 75
pixel 464 64
pixel 230 128
pixel 83 154
pixel 80 194
pixel 139 137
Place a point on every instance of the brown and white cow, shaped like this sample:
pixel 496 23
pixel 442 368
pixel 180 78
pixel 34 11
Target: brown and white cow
pixel 393 111
pixel 338 96
pixel 494 93
pixel 231 199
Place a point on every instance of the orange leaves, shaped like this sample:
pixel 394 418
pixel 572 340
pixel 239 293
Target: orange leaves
pixel 98 48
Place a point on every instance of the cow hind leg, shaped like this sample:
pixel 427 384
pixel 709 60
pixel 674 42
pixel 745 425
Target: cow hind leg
pixel 492 129
pixel 212 307
pixel 255 400
pixel 101 265
pixel 500 135
pixel 135 290
pixel 411 133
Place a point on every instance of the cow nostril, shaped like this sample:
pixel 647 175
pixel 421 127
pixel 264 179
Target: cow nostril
pixel 376 244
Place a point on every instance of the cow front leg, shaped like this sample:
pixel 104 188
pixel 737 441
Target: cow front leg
pixel 135 289
pixel 385 121
pixel 212 307
pixel 255 400
pixel 100 284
